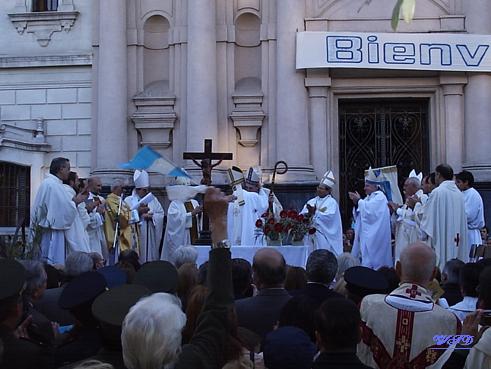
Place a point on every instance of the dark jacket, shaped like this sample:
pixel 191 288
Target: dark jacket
pixel 317 292
pixel 48 306
pixel 260 313
pixel 342 360
pixel 207 346
pixel 22 354
pixel 452 293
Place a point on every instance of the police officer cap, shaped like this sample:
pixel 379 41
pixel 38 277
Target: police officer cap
pixel 112 306
pixel 83 289
pixel 157 276
pixel 364 281
pixel 12 278
pixel 113 275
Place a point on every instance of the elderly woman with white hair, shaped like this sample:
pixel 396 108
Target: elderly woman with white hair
pixel 41 329
pixel 151 335
pixel 345 261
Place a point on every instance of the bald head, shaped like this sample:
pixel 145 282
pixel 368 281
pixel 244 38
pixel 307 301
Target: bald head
pixel 269 268
pixel 417 264
pixel 94 185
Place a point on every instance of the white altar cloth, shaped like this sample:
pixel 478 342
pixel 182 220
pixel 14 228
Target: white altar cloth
pixel 294 255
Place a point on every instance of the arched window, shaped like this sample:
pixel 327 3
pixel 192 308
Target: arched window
pixel 15 187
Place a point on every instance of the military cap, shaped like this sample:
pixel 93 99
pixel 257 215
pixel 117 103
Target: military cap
pixel 363 281
pixel 12 278
pixel 113 275
pixel 82 289
pixel 112 306
pixel 157 276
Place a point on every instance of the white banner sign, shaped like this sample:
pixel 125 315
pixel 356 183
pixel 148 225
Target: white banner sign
pixel 420 51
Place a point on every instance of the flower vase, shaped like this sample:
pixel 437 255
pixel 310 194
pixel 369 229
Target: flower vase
pixel 271 242
pixel 298 242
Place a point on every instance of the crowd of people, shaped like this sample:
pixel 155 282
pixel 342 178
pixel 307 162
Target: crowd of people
pixel 100 297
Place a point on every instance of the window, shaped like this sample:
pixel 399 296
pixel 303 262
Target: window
pixel 44 5
pixel 15 190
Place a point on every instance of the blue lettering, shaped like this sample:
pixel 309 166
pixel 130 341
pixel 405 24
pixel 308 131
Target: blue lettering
pixel 475 58
pixel 373 50
pixel 344 49
pixel 427 51
pixel 400 53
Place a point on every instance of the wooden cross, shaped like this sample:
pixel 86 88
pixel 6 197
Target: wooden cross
pixel 413 291
pixel 206 157
pixel 206 165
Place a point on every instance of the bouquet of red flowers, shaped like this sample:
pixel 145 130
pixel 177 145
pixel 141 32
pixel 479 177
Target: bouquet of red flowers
pixel 291 226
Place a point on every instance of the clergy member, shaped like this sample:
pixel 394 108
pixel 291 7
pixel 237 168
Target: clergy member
pixel 95 206
pixel 474 211
pixel 182 223
pixel 235 207
pixel 255 205
pixel 324 211
pixel 76 237
pixel 253 183
pixel 372 218
pixel 126 236
pixel 53 212
pixel 151 215
pixel 406 226
pixel 444 220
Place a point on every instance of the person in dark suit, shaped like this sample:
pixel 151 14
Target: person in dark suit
pixel 322 266
pixel 450 281
pixel 337 331
pixel 260 313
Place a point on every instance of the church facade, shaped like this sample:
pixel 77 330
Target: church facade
pixel 95 80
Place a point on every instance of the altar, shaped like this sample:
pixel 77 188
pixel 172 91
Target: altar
pixel 294 255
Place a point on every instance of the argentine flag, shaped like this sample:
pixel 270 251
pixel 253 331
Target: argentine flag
pixel 150 160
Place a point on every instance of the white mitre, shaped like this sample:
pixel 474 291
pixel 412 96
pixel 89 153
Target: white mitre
pixel 235 176
pixel 414 175
pixel 375 177
pixel 254 175
pixel 140 177
pixel 328 179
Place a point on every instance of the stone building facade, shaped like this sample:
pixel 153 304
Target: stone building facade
pixel 95 80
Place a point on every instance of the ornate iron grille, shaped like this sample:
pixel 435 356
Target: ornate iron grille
pixel 380 133
pixel 15 187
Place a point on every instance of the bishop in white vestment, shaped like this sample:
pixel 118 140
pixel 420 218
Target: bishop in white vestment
pixel 444 220
pixel 96 209
pixel 474 211
pixel 181 222
pixel 326 218
pixel 407 228
pixel 372 231
pixel 151 222
pixel 52 213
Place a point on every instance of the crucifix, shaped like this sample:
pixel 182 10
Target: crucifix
pixel 207 157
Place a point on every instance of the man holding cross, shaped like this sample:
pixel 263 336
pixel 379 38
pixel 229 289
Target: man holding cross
pixel 444 223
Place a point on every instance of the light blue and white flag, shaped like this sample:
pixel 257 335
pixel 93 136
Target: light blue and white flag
pixel 150 160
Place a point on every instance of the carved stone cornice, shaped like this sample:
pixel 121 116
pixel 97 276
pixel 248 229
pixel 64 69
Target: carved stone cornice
pixel 155 119
pixel 43 24
pixel 248 117
pixel 27 139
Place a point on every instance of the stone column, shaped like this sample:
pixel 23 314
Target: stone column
pixel 477 156
pixel 453 94
pixel 112 118
pixel 318 93
pixel 201 74
pixel 292 128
